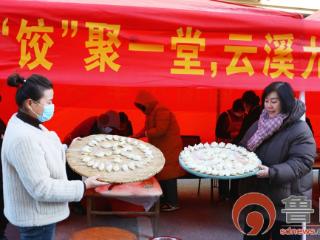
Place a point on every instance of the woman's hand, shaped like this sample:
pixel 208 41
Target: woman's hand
pixel 263 172
pixel 93 182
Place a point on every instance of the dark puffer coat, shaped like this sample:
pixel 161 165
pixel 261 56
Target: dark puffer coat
pixel 289 154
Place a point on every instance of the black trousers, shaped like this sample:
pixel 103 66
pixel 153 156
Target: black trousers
pixel 3 219
pixel 224 189
pixel 229 189
pixel 72 175
pixel 170 191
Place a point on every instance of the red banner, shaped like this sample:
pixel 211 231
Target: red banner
pixel 158 43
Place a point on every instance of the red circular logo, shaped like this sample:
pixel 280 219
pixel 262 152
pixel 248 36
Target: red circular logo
pixel 254 219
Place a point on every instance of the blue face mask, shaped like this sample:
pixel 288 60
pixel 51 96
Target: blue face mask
pixel 107 130
pixel 47 114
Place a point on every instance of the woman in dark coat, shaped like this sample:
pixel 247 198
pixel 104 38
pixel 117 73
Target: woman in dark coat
pixel 287 149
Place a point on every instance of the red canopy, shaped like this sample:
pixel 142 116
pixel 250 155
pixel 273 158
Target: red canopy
pixel 164 43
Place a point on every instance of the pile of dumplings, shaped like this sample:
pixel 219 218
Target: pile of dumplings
pixel 219 159
pixel 112 153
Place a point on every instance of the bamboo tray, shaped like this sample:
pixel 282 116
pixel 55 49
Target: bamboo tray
pixel 75 154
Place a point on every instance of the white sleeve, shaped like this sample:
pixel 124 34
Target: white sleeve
pixel 28 159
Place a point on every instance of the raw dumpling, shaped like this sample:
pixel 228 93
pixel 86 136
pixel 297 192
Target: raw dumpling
pixel 109 137
pixel 117 160
pixel 86 149
pixel 99 154
pixel 86 159
pixel 95 165
pixel 99 138
pixel 136 157
pixel 106 145
pixel 92 143
pixel 115 137
pixel 116 168
pixel 109 167
pixel 90 163
pixel 108 153
pixel 125 167
pixel 101 166
pixel 131 165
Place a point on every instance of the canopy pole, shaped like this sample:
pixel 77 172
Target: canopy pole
pixel 218 102
pixel 302 97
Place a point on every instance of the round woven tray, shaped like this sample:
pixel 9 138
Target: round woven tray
pixel 74 154
pixel 202 155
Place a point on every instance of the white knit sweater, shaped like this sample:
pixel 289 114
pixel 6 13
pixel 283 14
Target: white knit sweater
pixel 35 185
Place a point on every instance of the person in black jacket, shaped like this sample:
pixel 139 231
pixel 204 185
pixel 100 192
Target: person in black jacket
pixel 125 125
pixel 253 109
pixel 230 122
pixel 287 149
pixel 227 128
pixel 110 122
pixel 3 219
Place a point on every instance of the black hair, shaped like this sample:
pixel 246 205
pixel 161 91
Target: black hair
pixel 123 117
pixel 140 106
pixel 250 98
pixel 32 87
pixel 285 93
pixel 237 106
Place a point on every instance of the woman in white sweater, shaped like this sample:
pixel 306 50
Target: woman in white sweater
pixel 36 188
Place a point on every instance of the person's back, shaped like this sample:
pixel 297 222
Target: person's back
pixel 126 129
pixel 229 123
pixel 251 104
pixel 85 128
pixel 228 126
pixel 167 139
pixel 168 129
pixel 251 118
pixel 163 131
